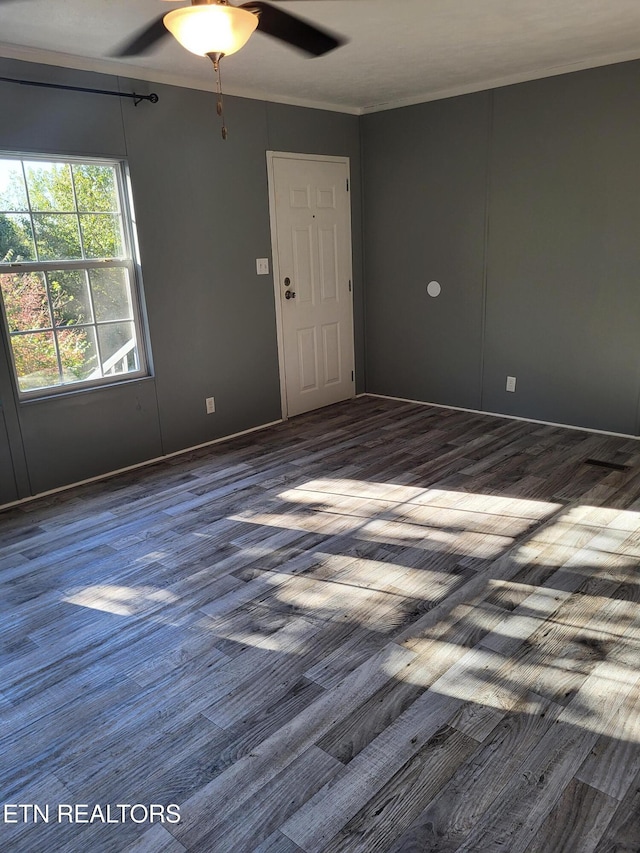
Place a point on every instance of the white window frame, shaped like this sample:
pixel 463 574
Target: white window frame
pixel 130 261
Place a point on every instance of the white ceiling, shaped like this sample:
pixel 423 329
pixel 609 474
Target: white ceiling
pixel 399 51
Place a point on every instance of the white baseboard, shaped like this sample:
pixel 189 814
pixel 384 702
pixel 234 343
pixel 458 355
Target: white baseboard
pixel 214 441
pixel 137 465
pixel 505 417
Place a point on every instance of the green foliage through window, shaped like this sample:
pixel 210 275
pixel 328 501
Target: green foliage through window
pixel 66 273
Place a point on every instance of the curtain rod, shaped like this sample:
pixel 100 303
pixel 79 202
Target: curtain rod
pixel 137 98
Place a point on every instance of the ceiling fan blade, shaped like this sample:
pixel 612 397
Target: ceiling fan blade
pixel 144 40
pixel 293 30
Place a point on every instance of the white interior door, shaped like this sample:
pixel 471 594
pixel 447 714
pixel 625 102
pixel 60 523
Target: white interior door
pixel 311 235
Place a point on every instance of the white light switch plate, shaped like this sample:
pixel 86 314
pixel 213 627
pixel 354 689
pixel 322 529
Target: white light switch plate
pixel 262 266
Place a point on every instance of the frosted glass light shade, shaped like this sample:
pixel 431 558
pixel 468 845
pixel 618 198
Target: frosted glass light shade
pixel 211 28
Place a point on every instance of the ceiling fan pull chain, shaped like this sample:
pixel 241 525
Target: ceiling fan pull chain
pixel 215 58
pixel 220 105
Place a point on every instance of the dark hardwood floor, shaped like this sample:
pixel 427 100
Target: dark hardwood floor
pixel 377 627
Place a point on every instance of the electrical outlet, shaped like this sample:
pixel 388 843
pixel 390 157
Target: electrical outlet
pixel 210 403
pixel 511 383
pixel 262 266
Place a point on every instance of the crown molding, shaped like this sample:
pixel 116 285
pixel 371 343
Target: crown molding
pixel 153 75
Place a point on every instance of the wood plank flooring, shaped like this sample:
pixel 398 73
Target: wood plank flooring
pixel 377 627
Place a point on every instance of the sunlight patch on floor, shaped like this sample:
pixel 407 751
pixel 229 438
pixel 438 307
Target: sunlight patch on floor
pixel 494 682
pixel 433 497
pixel 446 521
pixel 120 600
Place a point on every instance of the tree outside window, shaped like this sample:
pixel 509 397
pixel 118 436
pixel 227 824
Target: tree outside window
pixel 67 275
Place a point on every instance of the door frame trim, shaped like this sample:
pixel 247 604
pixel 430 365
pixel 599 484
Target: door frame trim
pixel 275 267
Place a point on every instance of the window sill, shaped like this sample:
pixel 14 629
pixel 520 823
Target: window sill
pixel 48 397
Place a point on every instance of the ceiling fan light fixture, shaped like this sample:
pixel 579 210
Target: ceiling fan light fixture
pixel 211 29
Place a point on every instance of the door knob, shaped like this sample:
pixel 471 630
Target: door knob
pixel 289 294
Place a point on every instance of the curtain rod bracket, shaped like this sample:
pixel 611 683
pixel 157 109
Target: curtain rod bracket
pixel 137 98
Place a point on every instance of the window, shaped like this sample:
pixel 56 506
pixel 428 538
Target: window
pixel 67 274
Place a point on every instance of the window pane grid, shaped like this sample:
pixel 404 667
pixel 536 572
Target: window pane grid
pixel 69 327
pixel 39 214
pixel 29 211
pixel 55 339
pixel 93 314
pixel 114 212
pixel 72 221
pixel 125 358
pixel 80 264
pixel 83 254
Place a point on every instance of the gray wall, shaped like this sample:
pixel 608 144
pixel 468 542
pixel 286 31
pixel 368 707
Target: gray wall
pixel 524 203
pixel 202 215
pixel 425 180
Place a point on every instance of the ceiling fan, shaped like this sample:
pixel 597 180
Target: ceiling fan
pixel 216 28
